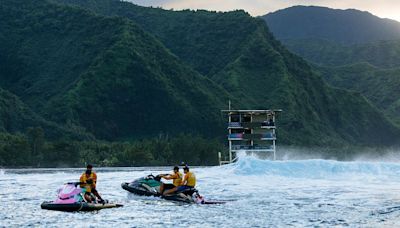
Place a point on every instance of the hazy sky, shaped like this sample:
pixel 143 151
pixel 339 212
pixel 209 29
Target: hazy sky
pixel 382 8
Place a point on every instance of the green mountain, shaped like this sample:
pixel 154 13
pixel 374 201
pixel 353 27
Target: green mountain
pixel 15 115
pixel 353 50
pixel 382 54
pixel 16 118
pixel 207 41
pixel 240 54
pixel 340 26
pixel 125 72
pixel 380 86
pixel 105 74
pixel 331 37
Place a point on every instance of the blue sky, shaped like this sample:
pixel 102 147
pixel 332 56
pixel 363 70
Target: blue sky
pixel 382 8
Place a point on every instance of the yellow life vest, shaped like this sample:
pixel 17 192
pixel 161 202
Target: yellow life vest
pixel 190 179
pixel 84 179
pixel 177 181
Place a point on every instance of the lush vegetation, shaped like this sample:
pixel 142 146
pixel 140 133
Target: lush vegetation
pixel 33 150
pixel 380 86
pixel 207 41
pixel 16 117
pixel 382 54
pixel 81 75
pixel 104 74
pixel 371 69
pixel 340 26
pixel 369 64
pixel 240 54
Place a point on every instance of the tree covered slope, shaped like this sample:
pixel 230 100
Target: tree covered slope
pixel 258 71
pixel 105 74
pixel 380 86
pixel 382 54
pixel 16 118
pixel 354 50
pixel 132 77
pixel 341 26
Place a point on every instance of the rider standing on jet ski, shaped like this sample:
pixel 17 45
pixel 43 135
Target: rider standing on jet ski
pixel 189 181
pixel 88 180
pixel 176 178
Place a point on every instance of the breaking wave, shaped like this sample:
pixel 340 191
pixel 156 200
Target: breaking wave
pixel 314 168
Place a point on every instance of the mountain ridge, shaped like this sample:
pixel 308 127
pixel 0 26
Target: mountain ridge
pixel 380 86
pixel 16 118
pixel 369 67
pixel 381 54
pixel 128 80
pixel 342 26
pixel 249 70
pixel 92 41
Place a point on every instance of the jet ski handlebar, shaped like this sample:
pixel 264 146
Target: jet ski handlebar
pixel 75 183
pixel 159 175
pixel 157 178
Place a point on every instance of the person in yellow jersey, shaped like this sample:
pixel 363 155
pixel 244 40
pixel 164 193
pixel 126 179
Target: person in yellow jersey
pixel 176 178
pixel 88 181
pixel 189 181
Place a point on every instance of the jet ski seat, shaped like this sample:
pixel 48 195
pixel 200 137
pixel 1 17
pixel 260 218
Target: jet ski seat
pixel 189 191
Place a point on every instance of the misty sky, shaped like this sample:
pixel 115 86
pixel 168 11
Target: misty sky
pixel 382 8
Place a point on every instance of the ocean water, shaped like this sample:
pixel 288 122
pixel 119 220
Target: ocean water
pixel 260 193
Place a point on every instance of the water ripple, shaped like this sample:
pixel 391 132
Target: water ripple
pixel 280 195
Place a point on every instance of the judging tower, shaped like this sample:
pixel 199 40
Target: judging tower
pixel 251 131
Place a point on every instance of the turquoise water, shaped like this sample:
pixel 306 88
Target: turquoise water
pixel 301 193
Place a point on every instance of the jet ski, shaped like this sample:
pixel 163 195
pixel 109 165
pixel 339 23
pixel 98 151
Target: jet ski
pixel 70 198
pixel 144 186
pixel 150 186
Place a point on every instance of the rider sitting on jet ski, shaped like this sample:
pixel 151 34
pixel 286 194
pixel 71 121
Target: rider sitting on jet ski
pixel 176 178
pixel 88 180
pixel 189 181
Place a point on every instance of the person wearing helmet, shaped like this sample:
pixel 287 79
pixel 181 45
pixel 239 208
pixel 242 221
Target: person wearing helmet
pixel 176 178
pixel 189 181
pixel 88 181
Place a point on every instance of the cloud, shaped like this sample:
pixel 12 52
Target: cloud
pixel 382 8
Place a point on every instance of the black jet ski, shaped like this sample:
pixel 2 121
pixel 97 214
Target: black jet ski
pixel 81 206
pixel 150 186
pixel 144 186
pixel 70 198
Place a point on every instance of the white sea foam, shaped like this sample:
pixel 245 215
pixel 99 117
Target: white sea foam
pixel 264 193
pixel 313 168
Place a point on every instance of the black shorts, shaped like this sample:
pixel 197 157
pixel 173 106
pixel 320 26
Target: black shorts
pixel 168 186
pixel 93 190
